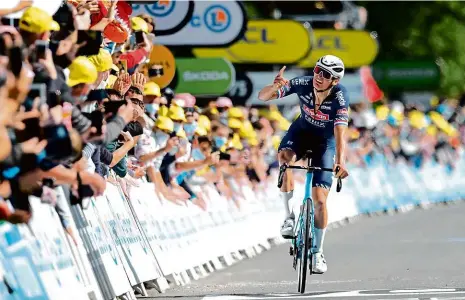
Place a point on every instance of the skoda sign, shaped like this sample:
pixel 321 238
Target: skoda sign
pixel 213 24
pixel 169 16
pixel 204 76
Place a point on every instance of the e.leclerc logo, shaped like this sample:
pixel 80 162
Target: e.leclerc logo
pixel 161 8
pixel 217 18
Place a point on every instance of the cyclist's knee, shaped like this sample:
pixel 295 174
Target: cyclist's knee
pixel 285 156
pixel 320 194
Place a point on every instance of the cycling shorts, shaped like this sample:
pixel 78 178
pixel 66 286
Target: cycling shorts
pixel 300 141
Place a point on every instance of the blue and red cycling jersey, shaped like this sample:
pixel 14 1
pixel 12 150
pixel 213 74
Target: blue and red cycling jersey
pixel 333 111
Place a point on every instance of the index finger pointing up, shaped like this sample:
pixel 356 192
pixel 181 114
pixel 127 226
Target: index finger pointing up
pixel 281 72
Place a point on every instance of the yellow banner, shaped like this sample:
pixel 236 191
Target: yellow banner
pixel 355 48
pixel 265 42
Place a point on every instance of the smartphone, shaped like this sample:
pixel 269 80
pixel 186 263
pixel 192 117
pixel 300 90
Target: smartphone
pixel 96 117
pixel 41 49
pixel 139 37
pixel 225 156
pixel 113 106
pixel 59 144
pixel 3 51
pixel 156 71
pixel 16 60
pixel 93 41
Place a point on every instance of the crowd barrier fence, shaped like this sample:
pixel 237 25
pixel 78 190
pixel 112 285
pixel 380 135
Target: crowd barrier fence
pixel 132 241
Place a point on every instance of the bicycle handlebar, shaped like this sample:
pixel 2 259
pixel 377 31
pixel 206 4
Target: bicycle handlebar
pixel 283 168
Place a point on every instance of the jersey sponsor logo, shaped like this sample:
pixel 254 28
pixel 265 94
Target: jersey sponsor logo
pixel 300 81
pixel 290 142
pixel 320 116
pixel 314 122
pixel 325 107
pixel 306 98
pixel 340 98
pixel 342 111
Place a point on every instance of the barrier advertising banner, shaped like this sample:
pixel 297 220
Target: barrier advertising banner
pixel 356 48
pixel 266 42
pixel 170 15
pixel 204 76
pixel 214 23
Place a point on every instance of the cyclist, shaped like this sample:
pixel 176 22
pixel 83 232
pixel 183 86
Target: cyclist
pixel 321 128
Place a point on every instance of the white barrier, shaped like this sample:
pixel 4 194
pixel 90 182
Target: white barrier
pixel 127 245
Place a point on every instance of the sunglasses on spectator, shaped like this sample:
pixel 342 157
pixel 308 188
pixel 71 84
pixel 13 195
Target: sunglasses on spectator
pixel 136 101
pixel 322 72
pixel 135 90
pixel 222 109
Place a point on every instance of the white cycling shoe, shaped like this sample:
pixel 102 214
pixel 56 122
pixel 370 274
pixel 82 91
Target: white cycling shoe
pixel 287 229
pixel 319 263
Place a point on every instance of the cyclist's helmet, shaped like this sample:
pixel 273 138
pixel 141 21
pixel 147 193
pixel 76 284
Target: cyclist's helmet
pixel 333 64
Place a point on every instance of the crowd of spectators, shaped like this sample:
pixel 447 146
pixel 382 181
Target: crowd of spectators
pixel 79 111
pixel 416 134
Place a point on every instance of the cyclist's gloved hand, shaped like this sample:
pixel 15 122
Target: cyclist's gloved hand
pixel 342 172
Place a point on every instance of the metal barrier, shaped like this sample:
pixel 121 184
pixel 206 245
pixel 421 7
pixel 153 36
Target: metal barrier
pixel 127 245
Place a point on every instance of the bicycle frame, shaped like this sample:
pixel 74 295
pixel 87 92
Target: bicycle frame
pixel 308 195
pixel 303 229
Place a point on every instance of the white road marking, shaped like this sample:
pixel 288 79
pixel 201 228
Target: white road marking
pixel 423 291
pixel 347 294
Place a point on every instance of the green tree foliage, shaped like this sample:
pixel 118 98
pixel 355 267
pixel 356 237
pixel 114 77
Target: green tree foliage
pixel 423 30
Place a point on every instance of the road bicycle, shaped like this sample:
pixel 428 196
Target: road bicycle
pixel 305 227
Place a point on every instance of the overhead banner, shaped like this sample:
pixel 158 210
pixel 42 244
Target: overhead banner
pixel 266 42
pixel 407 75
pixel 204 76
pixel 262 79
pixel 162 56
pixel 356 48
pixel 214 23
pixel 170 16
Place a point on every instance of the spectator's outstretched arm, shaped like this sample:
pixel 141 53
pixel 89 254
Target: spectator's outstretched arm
pixel 189 165
pixel 119 153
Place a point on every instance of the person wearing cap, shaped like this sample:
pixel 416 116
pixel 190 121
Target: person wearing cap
pixel 152 96
pixel 191 122
pixel 82 76
pixel 223 104
pixel 103 63
pixel 176 113
pixel 36 24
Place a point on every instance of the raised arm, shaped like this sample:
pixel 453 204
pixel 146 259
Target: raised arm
pixel 272 91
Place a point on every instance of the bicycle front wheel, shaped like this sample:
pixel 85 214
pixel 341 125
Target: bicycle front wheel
pixel 304 247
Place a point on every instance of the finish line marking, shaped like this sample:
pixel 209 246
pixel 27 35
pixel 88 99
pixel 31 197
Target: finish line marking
pixel 389 294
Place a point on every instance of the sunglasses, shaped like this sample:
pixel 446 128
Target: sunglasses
pixel 322 72
pixel 136 101
pixel 135 90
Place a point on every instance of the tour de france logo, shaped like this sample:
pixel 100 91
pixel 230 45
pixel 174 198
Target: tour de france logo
pixel 217 18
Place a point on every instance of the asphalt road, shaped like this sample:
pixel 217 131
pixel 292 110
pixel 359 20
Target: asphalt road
pixel 386 256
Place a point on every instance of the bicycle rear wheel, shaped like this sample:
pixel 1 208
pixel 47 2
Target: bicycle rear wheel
pixel 303 248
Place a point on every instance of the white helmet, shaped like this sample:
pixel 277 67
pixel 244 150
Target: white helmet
pixel 333 64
